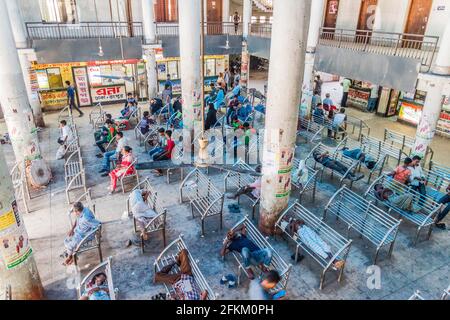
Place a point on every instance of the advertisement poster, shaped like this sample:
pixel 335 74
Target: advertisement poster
pixel 410 113
pixel 15 247
pixel 283 185
pixel 108 94
pixel 94 76
pixel 81 81
pixel 54 98
pixel 42 79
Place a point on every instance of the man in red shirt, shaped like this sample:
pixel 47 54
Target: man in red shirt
pixel 402 173
pixel 167 153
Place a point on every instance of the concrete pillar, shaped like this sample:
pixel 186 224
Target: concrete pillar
pixel 26 56
pixel 148 19
pixel 17 25
pixel 17 266
pixel 189 22
pixel 313 37
pixel 245 66
pixel 430 115
pixel 442 66
pixel 283 99
pixel 13 95
pixel 225 10
pixel 246 17
pixel 152 76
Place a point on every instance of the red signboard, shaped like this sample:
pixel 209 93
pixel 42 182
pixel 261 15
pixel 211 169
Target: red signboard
pixel 108 94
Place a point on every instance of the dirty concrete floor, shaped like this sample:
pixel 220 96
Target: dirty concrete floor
pixel 424 267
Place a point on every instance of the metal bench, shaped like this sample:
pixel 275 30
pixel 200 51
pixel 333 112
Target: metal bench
pixel 364 217
pixel 7 295
pixel 446 294
pixel 162 116
pixel 385 148
pixel 416 296
pixel 310 130
pixel 63 116
pixel 368 149
pixel 339 246
pixel 168 256
pixel 405 143
pixel 310 185
pixel 74 174
pixel 96 111
pixel 92 240
pixel 152 136
pixel 158 223
pixel 438 178
pixel 104 267
pixel 203 196
pixel 177 155
pixel 134 175
pixel 422 219
pixel 357 125
pixel 238 180
pixel 277 262
pixel 337 156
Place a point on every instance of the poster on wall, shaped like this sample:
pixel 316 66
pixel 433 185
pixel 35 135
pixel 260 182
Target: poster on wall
pixel 42 79
pixel 410 113
pixel 108 94
pixel 81 81
pixel 54 98
pixel 94 76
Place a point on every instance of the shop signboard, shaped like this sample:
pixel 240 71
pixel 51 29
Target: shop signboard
pixel 358 98
pixel 108 94
pixel 53 98
pixel 410 113
pixel 81 81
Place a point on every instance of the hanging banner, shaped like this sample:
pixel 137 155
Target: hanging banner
pixel 108 94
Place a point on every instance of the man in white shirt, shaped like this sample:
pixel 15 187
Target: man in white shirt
pixel 66 133
pixel 339 122
pixel 373 98
pixel 417 178
pixel 113 155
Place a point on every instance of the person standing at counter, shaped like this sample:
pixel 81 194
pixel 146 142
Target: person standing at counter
pixel 318 84
pixel 71 98
pixel 346 83
pixel 373 98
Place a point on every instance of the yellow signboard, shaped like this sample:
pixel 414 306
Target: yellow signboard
pixel 7 220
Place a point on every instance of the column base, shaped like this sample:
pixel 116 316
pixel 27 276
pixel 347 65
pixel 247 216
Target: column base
pixel 442 71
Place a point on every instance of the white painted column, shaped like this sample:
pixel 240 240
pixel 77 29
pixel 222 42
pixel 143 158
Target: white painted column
pixel 148 20
pixel 17 265
pixel 430 115
pixel 152 76
pixel 283 99
pixel 442 66
pixel 225 10
pixel 189 22
pixel 17 25
pixel 246 17
pixel 313 37
pixel 13 96
pixel 245 66
pixel 26 56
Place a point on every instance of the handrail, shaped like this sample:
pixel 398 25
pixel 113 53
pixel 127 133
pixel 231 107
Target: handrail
pixel 211 28
pixel 83 30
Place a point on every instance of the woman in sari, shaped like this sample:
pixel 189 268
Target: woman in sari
pixel 123 169
pixel 84 224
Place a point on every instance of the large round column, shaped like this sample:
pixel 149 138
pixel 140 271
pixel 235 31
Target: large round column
pixel 246 17
pixel 148 20
pixel 17 25
pixel 430 115
pixel 152 76
pixel 189 22
pixel 283 99
pixel 17 266
pixel 225 10
pixel 313 37
pixel 442 66
pixel 245 66
pixel 13 96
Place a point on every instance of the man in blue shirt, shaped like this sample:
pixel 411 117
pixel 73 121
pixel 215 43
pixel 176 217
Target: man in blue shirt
pixel 71 98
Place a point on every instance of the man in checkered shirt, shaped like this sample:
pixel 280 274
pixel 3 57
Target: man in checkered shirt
pixel 182 282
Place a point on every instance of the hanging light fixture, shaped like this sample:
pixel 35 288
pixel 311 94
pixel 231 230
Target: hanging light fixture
pixel 100 52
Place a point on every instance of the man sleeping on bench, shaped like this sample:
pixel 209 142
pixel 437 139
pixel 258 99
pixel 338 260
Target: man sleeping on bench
pixel 403 201
pixel 310 238
pixel 251 254
pixel 327 161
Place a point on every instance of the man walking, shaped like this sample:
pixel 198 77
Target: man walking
pixel 71 98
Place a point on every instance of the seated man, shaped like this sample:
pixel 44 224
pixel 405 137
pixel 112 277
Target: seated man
pixel 131 99
pixel 259 289
pixel 160 143
pixel 84 224
pixel 339 123
pixel 232 108
pixel 335 165
pixel 142 213
pixel 166 154
pixel 97 288
pixel 310 238
pixel 253 190
pixel 64 140
pixel 156 105
pixel 357 154
pixel 318 114
pixel 126 112
pixel 402 172
pixel 106 137
pixel 98 134
pixel 177 105
pixel 404 201
pixel 444 200
pixel 251 254
pixel 417 178
pixel 144 124
pixel 182 282
pixel 114 155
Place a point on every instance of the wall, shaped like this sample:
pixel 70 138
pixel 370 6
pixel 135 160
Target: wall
pixel 391 16
pixel 237 5
pixel 348 14
pixel 438 18
pixel 30 10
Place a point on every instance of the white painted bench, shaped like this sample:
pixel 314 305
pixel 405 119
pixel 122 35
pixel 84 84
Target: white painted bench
pixel 311 183
pixel 310 130
pixel 339 246
pixel 74 174
pixel 104 267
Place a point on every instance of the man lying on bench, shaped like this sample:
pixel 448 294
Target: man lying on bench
pixel 403 202
pixel 357 154
pixel 329 162
pixel 253 190
pixel 310 238
pixel 251 254
pixel 183 283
